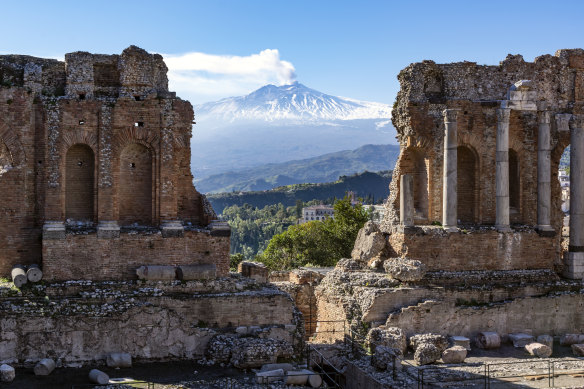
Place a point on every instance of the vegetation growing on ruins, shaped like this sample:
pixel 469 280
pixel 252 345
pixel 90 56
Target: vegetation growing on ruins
pixel 320 243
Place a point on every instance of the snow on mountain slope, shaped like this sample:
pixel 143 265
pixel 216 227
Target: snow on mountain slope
pixel 294 102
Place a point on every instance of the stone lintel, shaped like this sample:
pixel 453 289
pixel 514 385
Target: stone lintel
pixel 172 229
pixel 219 228
pixel 108 229
pixel 54 230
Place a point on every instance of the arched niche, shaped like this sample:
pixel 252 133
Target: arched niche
pixel 467 186
pixel 135 185
pixel 79 183
pixel 415 163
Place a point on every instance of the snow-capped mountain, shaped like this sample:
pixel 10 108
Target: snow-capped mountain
pixel 294 102
pixel 282 123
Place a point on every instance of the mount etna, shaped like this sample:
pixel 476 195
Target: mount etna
pixel 276 124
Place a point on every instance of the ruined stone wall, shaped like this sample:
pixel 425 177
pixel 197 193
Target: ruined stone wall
pixel 96 139
pixel 480 249
pixel 555 315
pixel 19 229
pixel 160 321
pixel 428 88
pixel 85 256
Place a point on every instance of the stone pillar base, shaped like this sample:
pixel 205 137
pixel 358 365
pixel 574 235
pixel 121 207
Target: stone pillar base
pixel 54 230
pixel 108 230
pixel 503 228
pixel 574 265
pixel 546 230
pixel 451 228
pixel 172 229
pixel 219 228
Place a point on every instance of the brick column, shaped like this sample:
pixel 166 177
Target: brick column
pixel 502 172
pixel 574 260
pixel 543 172
pixel 406 200
pixel 107 226
pixel 169 223
pixel 449 173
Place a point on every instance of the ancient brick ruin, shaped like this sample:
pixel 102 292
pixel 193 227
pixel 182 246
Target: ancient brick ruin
pixel 480 150
pixel 95 169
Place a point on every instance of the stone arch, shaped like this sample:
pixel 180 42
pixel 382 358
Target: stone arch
pixel 13 149
pixel 80 183
pixel 415 162
pixel 135 185
pixel 6 162
pixel 467 185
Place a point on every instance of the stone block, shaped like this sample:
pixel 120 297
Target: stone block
pixel 460 341
pixel 108 230
pixel 44 367
pixel 488 340
pixel 521 340
pixel 426 354
pixel 404 269
pixel 119 360
pixel 455 354
pixel 578 350
pixel 7 373
pixel 547 340
pixel 206 271
pixel 276 366
pixel 156 273
pixel 267 377
pixel 54 230
pixel 392 337
pixel 385 358
pixel 570 339
pixel 437 340
pixel 370 242
pixel 256 270
pixel 539 350
pixel 172 229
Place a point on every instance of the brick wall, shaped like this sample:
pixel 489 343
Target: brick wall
pixel 79 183
pixel 478 250
pixel 84 256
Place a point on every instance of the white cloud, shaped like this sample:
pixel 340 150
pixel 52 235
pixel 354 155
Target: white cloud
pixel 201 77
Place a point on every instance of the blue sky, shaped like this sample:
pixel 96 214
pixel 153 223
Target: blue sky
pixel 345 48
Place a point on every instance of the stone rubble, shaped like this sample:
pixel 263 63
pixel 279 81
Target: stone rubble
pixel 521 340
pixel 426 353
pixel 404 269
pixel 369 244
pixel 455 354
pixel 439 341
pixel 392 337
pixel 538 350
pixel 7 373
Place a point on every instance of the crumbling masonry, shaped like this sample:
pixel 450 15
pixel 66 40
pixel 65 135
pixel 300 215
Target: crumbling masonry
pixel 95 169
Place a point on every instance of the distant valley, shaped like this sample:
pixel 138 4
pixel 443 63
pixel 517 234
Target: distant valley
pixel 324 168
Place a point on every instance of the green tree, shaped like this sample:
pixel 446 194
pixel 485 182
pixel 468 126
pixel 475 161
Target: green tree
pixel 321 243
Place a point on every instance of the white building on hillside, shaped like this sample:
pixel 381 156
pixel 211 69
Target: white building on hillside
pixel 317 212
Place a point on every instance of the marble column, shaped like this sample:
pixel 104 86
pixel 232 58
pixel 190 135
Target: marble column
pixel 449 172
pixel 406 200
pixel 502 172
pixel 575 258
pixel 544 193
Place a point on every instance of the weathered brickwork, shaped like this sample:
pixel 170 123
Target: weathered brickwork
pixel 97 140
pixel 85 256
pixel 489 249
pixel 477 93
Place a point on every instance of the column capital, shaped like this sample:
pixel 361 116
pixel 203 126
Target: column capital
pixel 503 114
pixel 544 116
pixel 577 122
pixel 563 121
pixel 450 115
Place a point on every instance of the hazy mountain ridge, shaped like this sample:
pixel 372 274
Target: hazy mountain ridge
pixel 324 168
pixel 367 184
